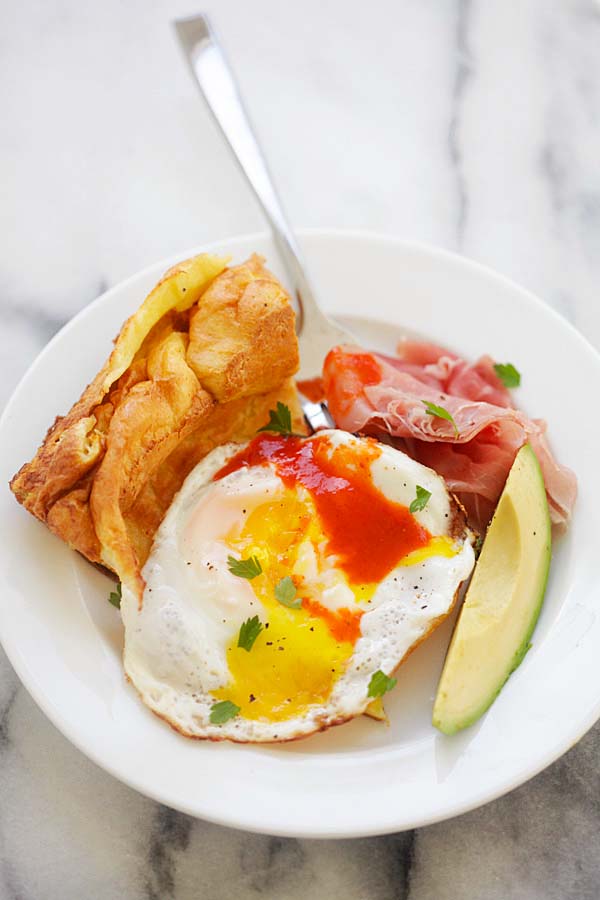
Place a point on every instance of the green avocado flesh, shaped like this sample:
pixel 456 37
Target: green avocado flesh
pixel 503 601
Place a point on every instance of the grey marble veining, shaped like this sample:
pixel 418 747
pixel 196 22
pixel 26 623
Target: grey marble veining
pixel 469 124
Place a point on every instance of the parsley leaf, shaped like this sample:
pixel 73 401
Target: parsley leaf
pixel 421 500
pixel 223 712
pixel 245 568
pixel 285 592
pixel 508 375
pixel 441 413
pixel 249 631
pixel 115 597
pixel 380 684
pixel 280 420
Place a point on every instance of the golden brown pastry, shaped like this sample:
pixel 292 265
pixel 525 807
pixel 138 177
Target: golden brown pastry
pixel 201 362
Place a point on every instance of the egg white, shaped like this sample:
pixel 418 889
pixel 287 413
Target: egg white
pixel 175 645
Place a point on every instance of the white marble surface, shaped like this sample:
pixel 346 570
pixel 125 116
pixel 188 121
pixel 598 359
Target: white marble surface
pixel 474 125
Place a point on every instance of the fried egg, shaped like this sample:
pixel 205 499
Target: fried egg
pixel 285 575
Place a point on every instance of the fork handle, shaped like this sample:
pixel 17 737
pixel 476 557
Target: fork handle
pixel 218 87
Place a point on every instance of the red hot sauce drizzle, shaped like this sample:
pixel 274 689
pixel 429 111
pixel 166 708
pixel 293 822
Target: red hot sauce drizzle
pixel 312 388
pixel 367 532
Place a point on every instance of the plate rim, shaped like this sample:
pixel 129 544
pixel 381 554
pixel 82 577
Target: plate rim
pixel 54 714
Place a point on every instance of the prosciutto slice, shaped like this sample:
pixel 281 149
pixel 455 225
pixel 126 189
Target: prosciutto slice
pixel 387 396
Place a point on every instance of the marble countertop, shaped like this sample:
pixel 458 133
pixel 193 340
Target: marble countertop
pixel 468 124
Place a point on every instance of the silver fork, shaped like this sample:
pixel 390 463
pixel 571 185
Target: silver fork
pixel 316 333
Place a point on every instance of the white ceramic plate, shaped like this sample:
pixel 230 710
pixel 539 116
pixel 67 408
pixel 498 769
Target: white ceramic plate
pixel 64 639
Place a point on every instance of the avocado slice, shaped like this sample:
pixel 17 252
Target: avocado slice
pixel 503 601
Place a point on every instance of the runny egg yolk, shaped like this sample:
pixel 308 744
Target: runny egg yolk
pixel 296 659
pixel 329 513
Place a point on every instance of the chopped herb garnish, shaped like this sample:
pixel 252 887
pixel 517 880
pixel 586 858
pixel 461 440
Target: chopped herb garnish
pixel 244 568
pixel 508 375
pixel 380 684
pixel 223 712
pixel 478 545
pixel 249 631
pixel 441 413
pixel 285 592
pixel 280 420
pixel 115 597
pixel 421 500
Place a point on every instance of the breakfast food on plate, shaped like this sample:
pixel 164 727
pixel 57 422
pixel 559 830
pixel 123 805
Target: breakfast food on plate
pixel 455 417
pixel 503 600
pixel 288 580
pixel 201 362
pixel 271 583
pixel 460 419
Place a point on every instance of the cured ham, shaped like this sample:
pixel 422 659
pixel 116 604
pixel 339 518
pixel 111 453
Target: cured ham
pixel 473 448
